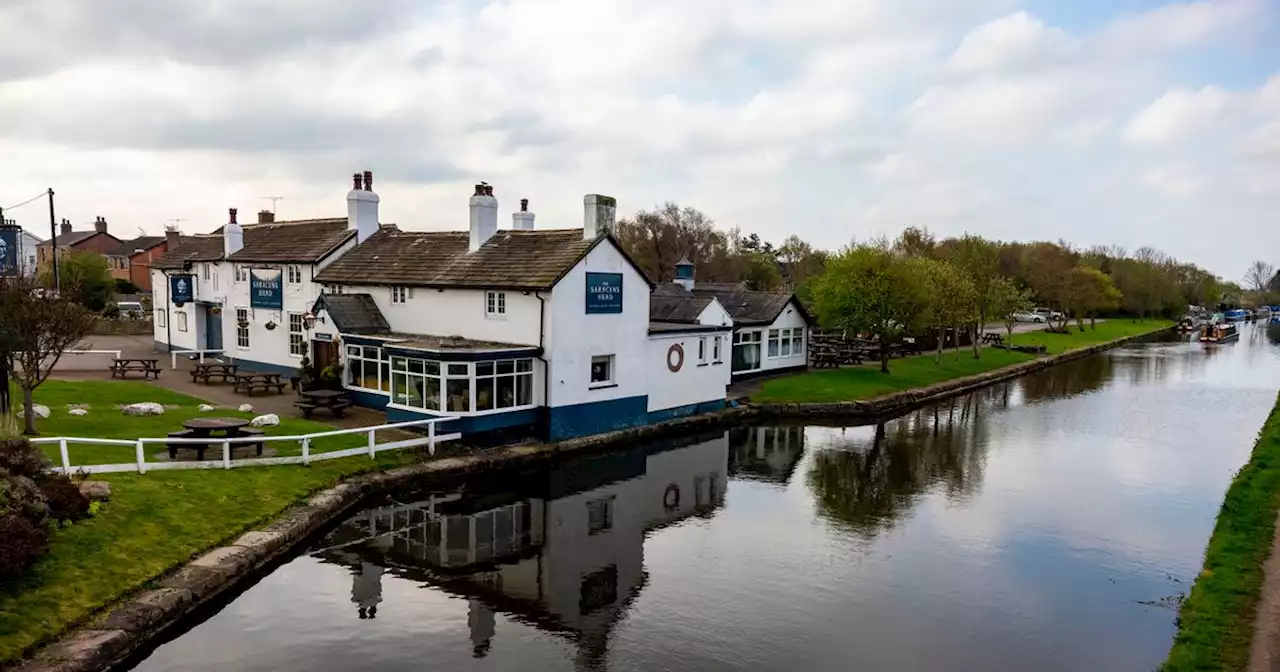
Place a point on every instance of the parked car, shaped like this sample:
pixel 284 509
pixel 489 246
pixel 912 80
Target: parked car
pixel 1047 314
pixel 1026 316
pixel 130 310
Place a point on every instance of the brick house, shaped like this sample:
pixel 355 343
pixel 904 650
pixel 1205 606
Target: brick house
pixel 98 240
pixel 131 260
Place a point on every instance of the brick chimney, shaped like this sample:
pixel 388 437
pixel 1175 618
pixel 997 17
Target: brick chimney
pixel 100 225
pixel 266 217
pixel 66 227
pixel 171 237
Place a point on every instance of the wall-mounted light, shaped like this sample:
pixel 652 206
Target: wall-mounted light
pixel 309 321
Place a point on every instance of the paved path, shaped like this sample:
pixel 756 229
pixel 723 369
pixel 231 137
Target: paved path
pixel 1264 653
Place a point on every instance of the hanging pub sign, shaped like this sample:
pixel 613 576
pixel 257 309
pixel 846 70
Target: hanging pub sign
pixel 604 293
pixel 181 289
pixel 265 290
pixel 9 238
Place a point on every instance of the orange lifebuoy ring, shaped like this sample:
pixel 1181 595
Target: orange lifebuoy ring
pixel 671 497
pixel 678 351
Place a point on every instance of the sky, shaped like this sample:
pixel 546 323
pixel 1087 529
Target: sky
pixel 1101 122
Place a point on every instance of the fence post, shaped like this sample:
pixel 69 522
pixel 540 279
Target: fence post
pixel 226 454
pixel 66 459
pixel 306 450
pixel 372 443
pixel 142 457
pixel 431 438
pixel 173 359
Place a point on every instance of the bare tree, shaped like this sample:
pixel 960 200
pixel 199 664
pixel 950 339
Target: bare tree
pixel 1259 275
pixel 37 328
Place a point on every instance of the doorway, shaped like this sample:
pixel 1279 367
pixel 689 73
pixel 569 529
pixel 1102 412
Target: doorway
pixel 212 329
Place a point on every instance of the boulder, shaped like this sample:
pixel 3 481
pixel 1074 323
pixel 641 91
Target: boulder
pixel 205 408
pixel 41 411
pixel 77 411
pixel 144 408
pixel 268 420
pixel 98 491
pixel 245 408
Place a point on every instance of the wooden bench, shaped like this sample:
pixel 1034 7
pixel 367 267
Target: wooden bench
pixel 185 434
pixel 336 408
pixel 149 368
pixel 248 383
pixel 207 372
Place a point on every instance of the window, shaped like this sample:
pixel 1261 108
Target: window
pixel 600 515
pixel 786 342
pixel 159 318
pixel 702 350
pixel 368 368
pixel 399 294
pixel 456 387
pixel 715 350
pixel 746 351
pixel 242 273
pixel 294 274
pixel 242 328
pixel 601 370
pixel 495 304
pixel 205 270
pixel 297 343
pixel 180 320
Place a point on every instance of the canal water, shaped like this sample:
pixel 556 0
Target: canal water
pixel 1051 523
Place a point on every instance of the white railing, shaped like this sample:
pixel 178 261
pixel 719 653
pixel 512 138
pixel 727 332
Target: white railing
pixel 142 466
pixel 113 353
pixel 173 359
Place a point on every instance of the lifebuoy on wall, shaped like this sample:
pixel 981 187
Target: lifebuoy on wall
pixel 671 497
pixel 675 357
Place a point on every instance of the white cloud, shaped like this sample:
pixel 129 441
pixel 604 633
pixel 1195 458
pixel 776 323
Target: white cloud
pixel 1014 42
pixel 1177 114
pixel 1174 181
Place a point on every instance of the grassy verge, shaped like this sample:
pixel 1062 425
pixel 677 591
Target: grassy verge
pixel 153 522
pixel 865 381
pixel 1216 620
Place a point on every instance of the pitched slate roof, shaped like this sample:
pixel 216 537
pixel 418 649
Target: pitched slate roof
pixel 76 237
pixel 353 313
pixel 303 240
pixel 190 248
pixel 511 259
pixel 747 307
pixel 129 247
pixel 670 302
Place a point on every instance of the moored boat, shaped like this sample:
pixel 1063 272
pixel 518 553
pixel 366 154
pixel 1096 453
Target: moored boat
pixel 1188 325
pixel 1219 333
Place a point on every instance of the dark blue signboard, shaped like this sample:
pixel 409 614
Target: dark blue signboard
pixel 604 293
pixel 265 290
pixel 9 239
pixel 181 289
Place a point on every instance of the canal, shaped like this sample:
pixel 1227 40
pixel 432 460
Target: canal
pixel 1051 523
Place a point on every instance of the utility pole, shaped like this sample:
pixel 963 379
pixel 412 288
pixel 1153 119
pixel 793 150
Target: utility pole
pixel 53 233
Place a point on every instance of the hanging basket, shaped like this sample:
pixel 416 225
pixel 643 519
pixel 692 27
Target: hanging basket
pixel 271 326
pixel 243 324
pixel 216 310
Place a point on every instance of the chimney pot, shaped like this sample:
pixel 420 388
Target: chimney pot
pixel 266 217
pixel 66 226
pixel 355 181
pixel 484 216
pixel 524 205
pixel 368 180
pixel 100 225
pixel 231 212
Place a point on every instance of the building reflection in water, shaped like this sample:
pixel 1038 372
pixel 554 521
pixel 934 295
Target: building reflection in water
pixel 768 454
pixel 560 547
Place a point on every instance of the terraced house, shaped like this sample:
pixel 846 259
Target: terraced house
pixel 524 331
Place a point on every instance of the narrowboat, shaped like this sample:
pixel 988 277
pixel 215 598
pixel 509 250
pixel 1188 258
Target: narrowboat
pixel 1219 333
pixel 1234 315
pixel 1188 325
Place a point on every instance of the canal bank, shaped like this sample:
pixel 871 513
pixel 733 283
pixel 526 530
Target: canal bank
pixel 139 620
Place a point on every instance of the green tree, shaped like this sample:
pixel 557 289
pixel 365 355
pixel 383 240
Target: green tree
pixel 85 278
pixel 762 273
pixel 870 289
pixel 949 295
pixel 979 259
pixel 1007 299
pixel 1089 292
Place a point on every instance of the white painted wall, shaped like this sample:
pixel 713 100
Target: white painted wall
pixel 715 314
pixel 790 317
pixel 695 382
pixel 574 337
pixel 27 255
pixel 267 346
pixel 457 312
pixel 167 331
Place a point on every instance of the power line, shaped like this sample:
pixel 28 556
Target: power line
pixel 29 200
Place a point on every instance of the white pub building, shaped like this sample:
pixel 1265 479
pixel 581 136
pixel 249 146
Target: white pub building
pixel 524 332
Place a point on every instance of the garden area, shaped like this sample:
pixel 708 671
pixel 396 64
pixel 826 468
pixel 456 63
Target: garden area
pixel 865 381
pixel 153 522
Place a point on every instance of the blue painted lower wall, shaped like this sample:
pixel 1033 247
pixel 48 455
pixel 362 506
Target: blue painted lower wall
pixel 685 411
pixel 597 417
pixel 478 424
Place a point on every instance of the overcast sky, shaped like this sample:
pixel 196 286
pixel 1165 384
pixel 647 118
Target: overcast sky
pixel 1127 122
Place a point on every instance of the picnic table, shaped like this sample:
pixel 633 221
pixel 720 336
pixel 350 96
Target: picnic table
pixel 207 371
pixel 149 368
pixel 248 382
pixel 202 428
pixel 331 400
pixel 992 338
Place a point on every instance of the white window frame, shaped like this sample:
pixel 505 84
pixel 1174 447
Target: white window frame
pixel 412 369
pixel 717 356
pixel 783 342
pixel 702 350
pixel 357 352
pixel 241 272
pixel 293 274
pixel 181 322
pixel 400 295
pixel 242 333
pixel 495 305
pixel 160 317
pixel 204 269
pixel 612 380
pixel 297 337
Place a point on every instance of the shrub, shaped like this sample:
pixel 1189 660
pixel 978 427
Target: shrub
pixel 66 502
pixel 21 542
pixel 20 496
pixel 20 458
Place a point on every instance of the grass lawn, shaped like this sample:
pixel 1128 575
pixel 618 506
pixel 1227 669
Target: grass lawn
pixel 865 380
pixel 153 522
pixel 1216 620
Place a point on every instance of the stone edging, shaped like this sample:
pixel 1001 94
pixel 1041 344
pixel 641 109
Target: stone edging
pixel 140 620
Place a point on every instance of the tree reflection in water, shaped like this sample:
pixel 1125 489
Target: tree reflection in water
pixel 867 483
pixel 1070 379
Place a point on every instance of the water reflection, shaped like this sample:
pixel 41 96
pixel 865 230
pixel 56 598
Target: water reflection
pixel 768 454
pixel 561 548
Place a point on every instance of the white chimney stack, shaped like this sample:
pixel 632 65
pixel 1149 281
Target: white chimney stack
pixel 484 216
pixel 522 220
pixel 232 236
pixel 362 207
pixel 598 214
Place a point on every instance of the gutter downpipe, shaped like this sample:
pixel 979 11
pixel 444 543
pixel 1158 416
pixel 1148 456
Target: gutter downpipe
pixel 542 357
pixel 168 317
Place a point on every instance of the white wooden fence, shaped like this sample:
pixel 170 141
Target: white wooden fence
pixel 142 466
pixel 173 356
